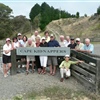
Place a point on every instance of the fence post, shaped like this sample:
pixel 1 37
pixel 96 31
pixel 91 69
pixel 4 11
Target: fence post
pixel 98 77
pixel 13 69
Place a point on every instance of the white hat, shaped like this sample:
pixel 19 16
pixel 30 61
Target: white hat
pixel 77 39
pixel 7 39
pixel 43 38
pixel 19 34
pixel 51 35
pixel 67 56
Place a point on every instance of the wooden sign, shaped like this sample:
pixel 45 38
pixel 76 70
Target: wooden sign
pixel 43 51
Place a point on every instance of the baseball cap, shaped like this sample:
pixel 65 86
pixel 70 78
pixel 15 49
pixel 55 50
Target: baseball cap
pixel 72 38
pixel 77 39
pixel 67 56
pixel 43 38
pixel 19 34
pixel 7 39
pixel 51 35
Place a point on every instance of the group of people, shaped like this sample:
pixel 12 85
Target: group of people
pixel 41 62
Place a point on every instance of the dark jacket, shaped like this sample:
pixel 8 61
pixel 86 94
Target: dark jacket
pixel 43 45
pixel 53 43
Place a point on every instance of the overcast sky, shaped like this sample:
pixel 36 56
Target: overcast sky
pixel 23 7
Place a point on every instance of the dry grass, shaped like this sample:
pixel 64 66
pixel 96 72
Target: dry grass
pixel 58 93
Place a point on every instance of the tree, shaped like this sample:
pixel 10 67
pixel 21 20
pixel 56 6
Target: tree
pixel 46 14
pixel 34 11
pixel 21 24
pixel 5 21
pixel 98 10
pixel 77 14
pixel 85 15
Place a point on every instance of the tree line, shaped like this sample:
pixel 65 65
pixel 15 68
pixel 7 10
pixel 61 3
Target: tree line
pixel 10 25
pixel 46 14
pixel 40 16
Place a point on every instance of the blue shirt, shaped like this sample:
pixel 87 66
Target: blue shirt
pixel 53 43
pixel 90 47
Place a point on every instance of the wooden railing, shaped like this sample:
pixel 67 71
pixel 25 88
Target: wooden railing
pixel 88 73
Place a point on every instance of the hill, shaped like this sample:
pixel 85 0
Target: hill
pixel 78 27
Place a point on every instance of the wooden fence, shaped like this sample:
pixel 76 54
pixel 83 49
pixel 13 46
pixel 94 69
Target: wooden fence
pixel 88 73
pixel 40 51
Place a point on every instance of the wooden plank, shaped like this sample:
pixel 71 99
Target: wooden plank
pixel 86 66
pixel 84 72
pixel 43 51
pixel 83 56
pixel 98 77
pixel 88 84
pixel 13 69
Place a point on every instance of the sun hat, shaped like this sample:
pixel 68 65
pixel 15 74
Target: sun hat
pixel 77 39
pixel 66 56
pixel 7 39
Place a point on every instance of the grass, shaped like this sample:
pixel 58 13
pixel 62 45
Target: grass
pixel 58 93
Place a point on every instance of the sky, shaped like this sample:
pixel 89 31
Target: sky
pixel 23 7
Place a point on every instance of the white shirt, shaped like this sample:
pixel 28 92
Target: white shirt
pixel 67 43
pixel 21 43
pixel 33 37
pixel 62 43
pixel 16 44
pixel 7 47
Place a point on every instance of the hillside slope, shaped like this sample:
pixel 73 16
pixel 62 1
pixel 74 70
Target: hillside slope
pixel 82 27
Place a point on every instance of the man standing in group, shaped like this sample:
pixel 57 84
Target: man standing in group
pixel 88 47
pixel 67 41
pixel 52 60
pixel 34 36
pixel 62 41
pixel 72 45
pixel 20 40
pixel 79 45
pixel 30 43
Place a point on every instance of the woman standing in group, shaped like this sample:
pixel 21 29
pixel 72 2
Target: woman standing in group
pixel 43 59
pixel 38 65
pixel 24 39
pixel 15 43
pixel 7 56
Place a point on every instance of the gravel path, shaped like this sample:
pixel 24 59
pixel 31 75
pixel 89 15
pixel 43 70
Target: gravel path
pixel 21 83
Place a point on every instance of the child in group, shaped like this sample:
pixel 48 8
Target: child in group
pixel 65 67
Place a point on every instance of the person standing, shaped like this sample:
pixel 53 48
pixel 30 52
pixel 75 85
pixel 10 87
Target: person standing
pixel 47 37
pixel 29 58
pixel 7 56
pixel 72 45
pixel 38 65
pixel 15 43
pixel 20 40
pixel 88 47
pixel 67 42
pixel 43 59
pixel 52 60
pixel 35 35
pixel 62 41
pixel 79 45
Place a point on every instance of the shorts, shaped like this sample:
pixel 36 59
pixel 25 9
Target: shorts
pixel 52 60
pixel 6 59
pixel 30 58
